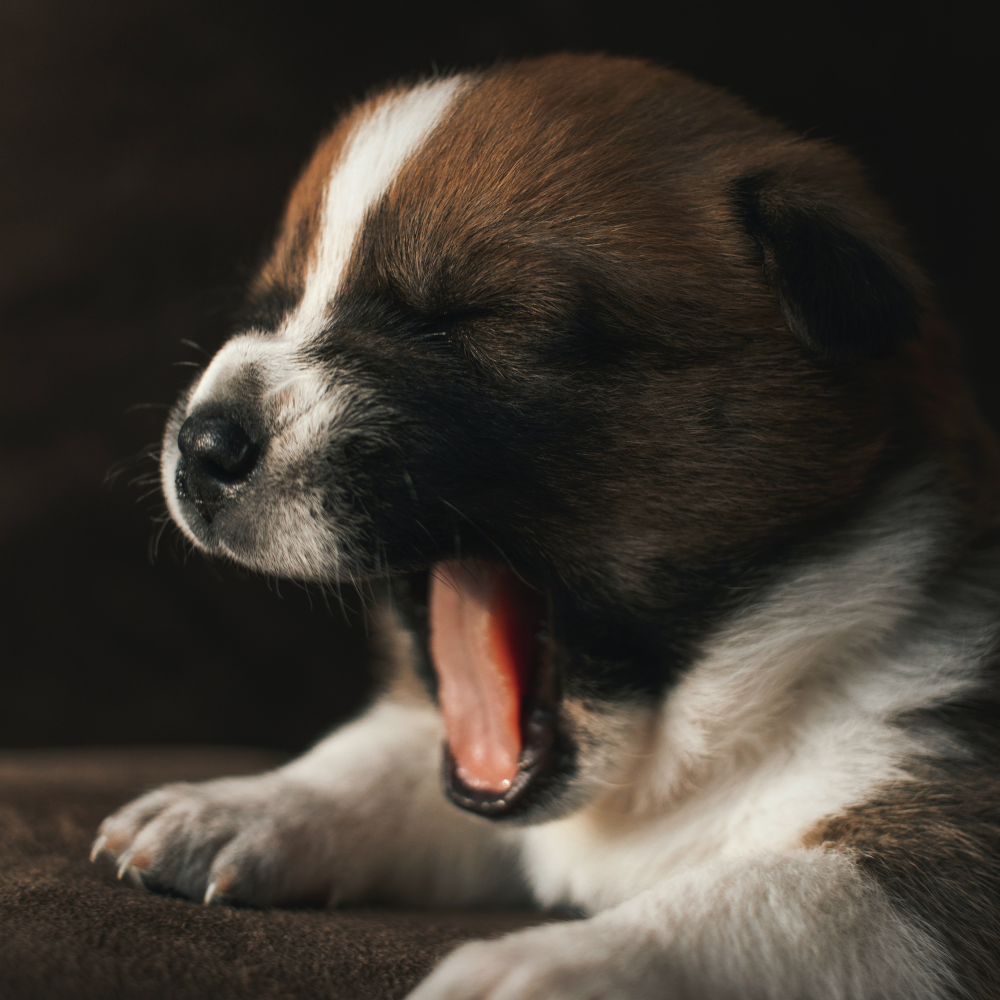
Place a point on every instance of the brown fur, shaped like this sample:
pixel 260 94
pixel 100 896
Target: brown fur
pixel 722 398
pixel 573 230
pixel 933 844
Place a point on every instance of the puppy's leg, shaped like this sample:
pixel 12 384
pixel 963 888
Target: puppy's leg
pixel 806 924
pixel 361 816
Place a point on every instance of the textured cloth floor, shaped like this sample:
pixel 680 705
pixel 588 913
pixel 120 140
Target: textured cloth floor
pixel 69 929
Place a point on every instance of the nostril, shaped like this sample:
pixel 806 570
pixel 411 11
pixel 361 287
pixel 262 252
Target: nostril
pixel 218 447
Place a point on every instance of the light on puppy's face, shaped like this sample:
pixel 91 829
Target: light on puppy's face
pixel 244 463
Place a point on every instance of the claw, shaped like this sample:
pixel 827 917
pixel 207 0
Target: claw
pixel 140 860
pixel 218 887
pixel 99 844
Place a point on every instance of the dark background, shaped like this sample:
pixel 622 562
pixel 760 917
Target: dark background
pixel 145 149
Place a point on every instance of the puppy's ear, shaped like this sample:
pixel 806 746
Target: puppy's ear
pixel 845 290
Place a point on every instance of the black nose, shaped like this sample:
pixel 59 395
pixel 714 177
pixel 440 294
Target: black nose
pixel 217 456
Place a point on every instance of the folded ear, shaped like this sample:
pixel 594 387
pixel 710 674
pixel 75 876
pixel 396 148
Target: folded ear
pixel 846 291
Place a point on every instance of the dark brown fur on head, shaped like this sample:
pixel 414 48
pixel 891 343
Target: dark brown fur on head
pixel 615 255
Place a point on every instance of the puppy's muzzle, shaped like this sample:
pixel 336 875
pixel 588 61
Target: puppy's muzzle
pixel 218 456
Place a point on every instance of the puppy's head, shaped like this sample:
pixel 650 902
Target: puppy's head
pixel 567 349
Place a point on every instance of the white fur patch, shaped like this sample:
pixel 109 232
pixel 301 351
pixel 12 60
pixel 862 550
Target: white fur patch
pixel 359 818
pixel 786 717
pixel 375 151
pixel 781 926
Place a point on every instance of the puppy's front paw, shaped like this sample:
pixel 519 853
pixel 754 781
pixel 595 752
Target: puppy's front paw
pixel 575 961
pixel 259 840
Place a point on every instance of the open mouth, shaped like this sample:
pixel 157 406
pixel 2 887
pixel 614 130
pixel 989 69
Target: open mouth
pixel 488 641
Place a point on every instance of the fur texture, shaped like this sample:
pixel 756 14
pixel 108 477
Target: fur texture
pixel 672 365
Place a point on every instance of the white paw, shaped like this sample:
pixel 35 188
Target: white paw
pixel 260 841
pixel 572 961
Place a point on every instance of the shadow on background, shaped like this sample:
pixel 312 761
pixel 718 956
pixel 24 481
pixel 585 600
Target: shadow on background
pixel 145 150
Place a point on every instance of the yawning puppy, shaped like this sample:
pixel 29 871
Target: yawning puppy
pixel 635 401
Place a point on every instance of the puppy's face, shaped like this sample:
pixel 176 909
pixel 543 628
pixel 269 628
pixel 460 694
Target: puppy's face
pixel 559 348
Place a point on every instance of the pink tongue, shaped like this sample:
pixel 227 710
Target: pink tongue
pixel 482 642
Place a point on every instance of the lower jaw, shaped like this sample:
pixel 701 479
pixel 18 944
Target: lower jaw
pixel 542 767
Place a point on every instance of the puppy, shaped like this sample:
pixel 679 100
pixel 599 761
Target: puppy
pixel 639 404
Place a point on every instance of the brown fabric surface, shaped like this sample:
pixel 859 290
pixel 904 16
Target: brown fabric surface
pixel 69 929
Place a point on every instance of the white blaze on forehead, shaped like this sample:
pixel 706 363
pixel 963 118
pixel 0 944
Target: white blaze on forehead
pixel 387 134
pixel 374 153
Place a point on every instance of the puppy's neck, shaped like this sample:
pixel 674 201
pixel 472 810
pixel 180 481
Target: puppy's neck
pixel 844 631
